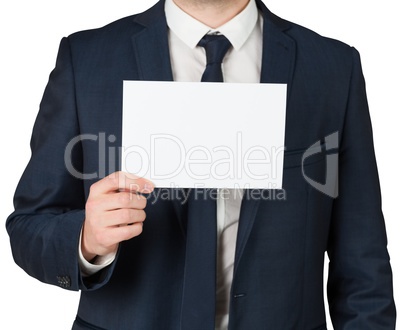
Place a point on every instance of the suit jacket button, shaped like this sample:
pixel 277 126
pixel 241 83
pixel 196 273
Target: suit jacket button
pixel 64 281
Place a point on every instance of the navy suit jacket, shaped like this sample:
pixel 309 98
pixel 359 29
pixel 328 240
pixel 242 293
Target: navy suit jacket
pixel 278 272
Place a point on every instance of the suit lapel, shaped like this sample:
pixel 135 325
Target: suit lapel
pixel 279 50
pixel 278 60
pixel 150 45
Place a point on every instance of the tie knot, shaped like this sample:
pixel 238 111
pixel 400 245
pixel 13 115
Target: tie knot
pixel 215 46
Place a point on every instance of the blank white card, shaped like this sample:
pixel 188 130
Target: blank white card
pixel 205 135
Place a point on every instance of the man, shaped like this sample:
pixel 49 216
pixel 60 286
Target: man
pixel 90 234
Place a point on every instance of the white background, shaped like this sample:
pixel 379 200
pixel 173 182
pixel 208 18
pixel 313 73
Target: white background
pixel 30 34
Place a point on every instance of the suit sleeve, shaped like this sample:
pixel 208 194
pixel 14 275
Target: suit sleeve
pixel 360 290
pixel 49 202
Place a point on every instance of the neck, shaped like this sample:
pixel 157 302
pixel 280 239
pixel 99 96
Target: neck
pixel 213 13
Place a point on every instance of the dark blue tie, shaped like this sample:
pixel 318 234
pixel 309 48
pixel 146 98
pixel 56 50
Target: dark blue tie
pixel 216 47
pixel 199 290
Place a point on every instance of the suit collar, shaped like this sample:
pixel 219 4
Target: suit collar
pixel 150 44
pixel 151 15
pixel 271 18
pixel 279 50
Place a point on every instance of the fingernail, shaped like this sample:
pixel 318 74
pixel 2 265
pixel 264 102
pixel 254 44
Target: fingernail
pixel 148 187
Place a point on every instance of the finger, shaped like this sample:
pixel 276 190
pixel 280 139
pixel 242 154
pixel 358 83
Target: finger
pixel 123 233
pixel 122 200
pixel 121 217
pixel 134 184
pixel 124 182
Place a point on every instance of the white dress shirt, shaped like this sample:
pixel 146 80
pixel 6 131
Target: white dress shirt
pixel 242 64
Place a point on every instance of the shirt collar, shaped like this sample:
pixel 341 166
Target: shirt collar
pixel 190 31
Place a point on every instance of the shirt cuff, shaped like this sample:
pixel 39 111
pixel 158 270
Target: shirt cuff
pixel 97 264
